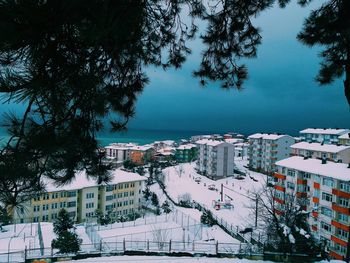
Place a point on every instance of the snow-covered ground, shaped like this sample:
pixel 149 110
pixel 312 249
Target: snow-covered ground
pixel 180 180
pixel 152 259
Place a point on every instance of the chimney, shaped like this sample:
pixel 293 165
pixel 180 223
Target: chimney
pixel 348 165
pixel 324 161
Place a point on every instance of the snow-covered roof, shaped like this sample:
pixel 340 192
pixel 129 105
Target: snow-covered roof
pixel 345 136
pixel 121 146
pixel 82 181
pixel 266 136
pixel 167 142
pixel 233 140
pixel 318 147
pixel 324 131
pixel 142 147
pixel 330 169
pixel 209 142
pixel 186 146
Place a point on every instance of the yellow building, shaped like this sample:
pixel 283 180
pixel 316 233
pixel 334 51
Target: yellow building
pixel 83 196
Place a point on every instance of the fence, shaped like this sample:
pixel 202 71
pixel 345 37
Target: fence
pixel 195 247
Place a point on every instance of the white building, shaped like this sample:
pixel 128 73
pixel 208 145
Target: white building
pixel 344 139
pixel 325 187
pixel 121 196
pixel 215 158
pixel 241 149
pixel 316 150
pixel 119 151
pixel 266 149
pixel 322 135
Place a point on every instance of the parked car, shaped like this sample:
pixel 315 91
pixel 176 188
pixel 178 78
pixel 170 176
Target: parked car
pixel 211 187
pixel 198 179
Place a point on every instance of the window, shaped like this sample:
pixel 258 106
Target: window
pixel 126 194
pixel 126 185
pixel 54 216
pixel 131 202
pixel 71 194
pixel 109 197
pixel 345 187
pixel 126 202
pixel 90 195
pixel 62 204
pixel 291 173
pixel 290 185
pixel 54 206
pixel 341 233
pixel 109 207
pixel 45 218
pixel 54 195
pixel 326 227
pixel 132 193
pixel 89 205
pixel 328 182
pixel 71 214
pixel 109 188
pixel 326 197
pixel 45 207
pixel 63 194
pixel 343 217
pixel 36 208
pixel 120 195
pixel 72 204
pixel 343 202
pixel 46 197
pixel 326 211
pixel 120 186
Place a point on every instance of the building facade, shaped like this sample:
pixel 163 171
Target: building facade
pixel 186 153
pixel 322 135
pixel 325 186
pixel 316 150
pixel 120 152
pixel 344 139
pixel 83 196
pixel 215 158
pixel 265 149
pixel 140 155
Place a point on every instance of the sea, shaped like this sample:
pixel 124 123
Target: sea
pixel 138 136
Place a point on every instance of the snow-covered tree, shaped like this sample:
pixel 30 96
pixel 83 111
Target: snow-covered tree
pixel 67 241
pixel 284 221
pixel 154 199
pixel 166 207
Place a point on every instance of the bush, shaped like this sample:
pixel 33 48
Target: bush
pixel 185 200
pixel 207 218
pixel 155 200
pixel 166 207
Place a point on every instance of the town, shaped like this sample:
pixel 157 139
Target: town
pixel 202 195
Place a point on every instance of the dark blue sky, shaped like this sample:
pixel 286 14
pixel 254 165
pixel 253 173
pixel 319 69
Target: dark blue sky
pixel 280 95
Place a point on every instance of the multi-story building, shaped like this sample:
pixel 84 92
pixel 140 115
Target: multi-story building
pixel 241 149
pixel 316 150
pixel 119 151
pixel 216 158
pixel 344 139
pixel 83 196
pixel 186 153
pixel 322 135
pixel 265 149
pixel 142 154
pixel 325 187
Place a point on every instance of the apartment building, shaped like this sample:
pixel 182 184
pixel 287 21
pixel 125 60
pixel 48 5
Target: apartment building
pixel 83 196
pixel 142 154
pixel 215 158
pixel 316 150
pixel 344 139
pixel 322 135
pixel 186 153
pixel 119 151
pixel 265 149
pixel 325 187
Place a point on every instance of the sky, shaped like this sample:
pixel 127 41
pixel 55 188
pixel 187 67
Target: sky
pixel 279 96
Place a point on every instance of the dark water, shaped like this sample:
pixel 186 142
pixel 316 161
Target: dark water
pixel 134 135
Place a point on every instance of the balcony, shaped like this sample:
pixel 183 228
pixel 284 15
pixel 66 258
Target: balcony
pixel 341 209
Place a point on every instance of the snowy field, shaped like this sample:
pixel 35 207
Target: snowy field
pixel 183 178
pixel 152 259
